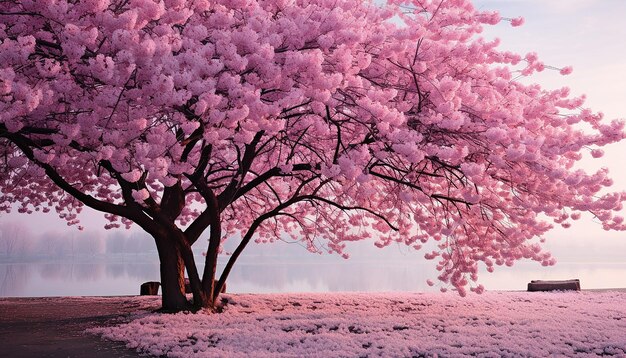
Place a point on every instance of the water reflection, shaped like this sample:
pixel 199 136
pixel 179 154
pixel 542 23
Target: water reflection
pixel 14 278
pixel 122 276
pixel 75 278
pixel 330 276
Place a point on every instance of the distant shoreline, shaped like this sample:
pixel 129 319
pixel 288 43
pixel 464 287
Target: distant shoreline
pixel 31 298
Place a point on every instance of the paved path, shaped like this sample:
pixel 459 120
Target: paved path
pixel 55 326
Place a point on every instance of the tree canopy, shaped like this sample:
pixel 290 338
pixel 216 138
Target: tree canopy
pixel 325 121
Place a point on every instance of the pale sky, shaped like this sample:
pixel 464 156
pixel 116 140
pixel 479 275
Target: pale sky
pixel 589 35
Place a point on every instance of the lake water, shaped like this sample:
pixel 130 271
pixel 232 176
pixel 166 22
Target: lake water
pixel 123 276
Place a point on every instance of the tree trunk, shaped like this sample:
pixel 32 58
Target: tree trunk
pixel 210 262
pixel 172 268
pixel 201 298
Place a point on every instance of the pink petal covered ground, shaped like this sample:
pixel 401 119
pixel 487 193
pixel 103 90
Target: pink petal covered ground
pixel 388 324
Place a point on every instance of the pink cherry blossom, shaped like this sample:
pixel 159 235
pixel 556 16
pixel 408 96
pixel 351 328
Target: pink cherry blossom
pixel 518 21
pixel 318 121
pixel 140 195
pixel 597 153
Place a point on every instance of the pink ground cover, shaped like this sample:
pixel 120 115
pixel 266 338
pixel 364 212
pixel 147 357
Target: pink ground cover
pixel 492 324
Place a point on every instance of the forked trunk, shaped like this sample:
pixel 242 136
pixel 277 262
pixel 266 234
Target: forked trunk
pixel 176 257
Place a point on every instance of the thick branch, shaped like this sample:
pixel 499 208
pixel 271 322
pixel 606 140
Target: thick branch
pixel 277 211
pixel 248 236
pixel 346 208
pixel 274 172
pixel 197 227
pixel 227 195
pixel 399 181
pixel 173 201
pixel 57 179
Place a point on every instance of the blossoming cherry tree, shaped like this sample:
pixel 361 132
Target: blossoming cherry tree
pixel 323 121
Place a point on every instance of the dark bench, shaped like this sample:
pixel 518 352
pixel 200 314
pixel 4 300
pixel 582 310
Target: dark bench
pixel 554 285
pixel 149 288
pixel 152 288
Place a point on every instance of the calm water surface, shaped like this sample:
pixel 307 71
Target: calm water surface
pixel 123 275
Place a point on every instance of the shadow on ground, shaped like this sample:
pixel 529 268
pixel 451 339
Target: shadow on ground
pixel 55 326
